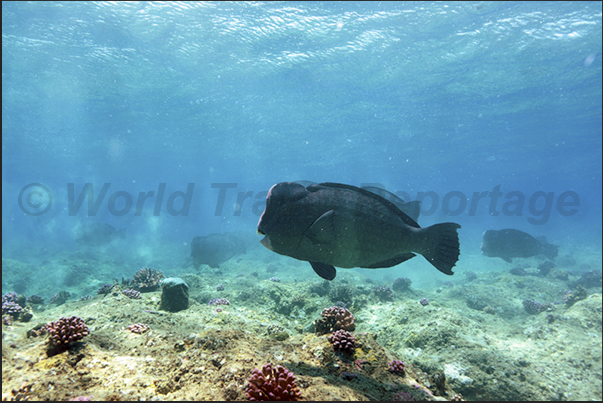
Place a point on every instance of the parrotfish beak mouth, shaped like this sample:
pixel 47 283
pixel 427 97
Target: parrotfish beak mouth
pixel 266 242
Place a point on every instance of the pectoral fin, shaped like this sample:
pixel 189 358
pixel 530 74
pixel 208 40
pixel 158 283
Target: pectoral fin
pixel 323 229
pixel 325 271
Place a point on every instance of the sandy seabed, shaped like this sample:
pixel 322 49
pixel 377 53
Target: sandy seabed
pixel 474 332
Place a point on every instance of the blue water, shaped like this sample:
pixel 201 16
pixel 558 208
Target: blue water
pixel 416 97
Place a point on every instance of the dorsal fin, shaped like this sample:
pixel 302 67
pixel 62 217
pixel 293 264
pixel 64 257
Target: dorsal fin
pixel 305 183
pixel 411 209
pixel 391 206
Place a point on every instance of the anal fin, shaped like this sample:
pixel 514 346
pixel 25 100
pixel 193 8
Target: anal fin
pixel 392 262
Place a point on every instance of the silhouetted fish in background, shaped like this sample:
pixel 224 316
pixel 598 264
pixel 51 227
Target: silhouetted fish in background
pixel 215 249
pixel 98 234
pixel 332 224
pixel 509 243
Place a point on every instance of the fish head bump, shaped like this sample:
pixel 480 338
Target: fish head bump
pixel 279 196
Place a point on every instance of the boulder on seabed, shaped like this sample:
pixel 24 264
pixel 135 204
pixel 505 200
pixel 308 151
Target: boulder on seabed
pixel 174 295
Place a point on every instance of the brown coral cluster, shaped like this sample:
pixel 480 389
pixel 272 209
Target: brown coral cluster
pixel 333 319
pixel 66 331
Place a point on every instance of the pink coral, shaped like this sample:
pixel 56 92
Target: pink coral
pixel 343 341
pixel 272 384
pixel 396 367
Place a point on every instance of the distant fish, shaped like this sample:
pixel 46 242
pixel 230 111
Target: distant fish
pixel 332 224
pixel 215 249
pixel 98 234
pixel 509 243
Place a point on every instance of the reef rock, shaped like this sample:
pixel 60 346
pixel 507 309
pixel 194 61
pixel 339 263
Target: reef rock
pixel 174 295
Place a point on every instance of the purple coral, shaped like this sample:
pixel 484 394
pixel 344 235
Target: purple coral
pixel 272 384
pixel 396 367
pixel 147 280
pixel 275 279
pixel 220 287
pixel 360 363
pixel 424 301
pixel 218 301
pixel 401 284
pixel 384 293
pixel 65 331
pixel 545 267
pixel 333 319
pixel 590 279
pixel 138 328
pixel 448 284
pixel 105 289
pixel 403 397
pixel 35 300
pixel 10 297
pixel 518 271
pixel 570 297
pixel 10 302
pixel 11 308
pixel 131 293
pixel 343 341
pixel 533 307
pixel 59 298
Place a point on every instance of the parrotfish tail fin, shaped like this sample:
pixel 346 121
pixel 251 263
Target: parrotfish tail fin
pixel 441 246
pixel 121 234
pixel 551 251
